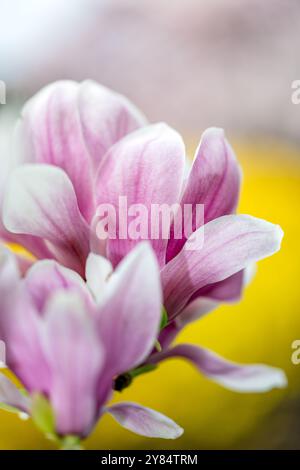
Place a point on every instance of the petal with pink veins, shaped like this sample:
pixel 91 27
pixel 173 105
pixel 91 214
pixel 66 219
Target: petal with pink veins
pixel 144 421
pixel 214 181
pixel 41 201
pixel 106 117
pixel 129 316
pixel 22 338
pixel 97 272
pixel 208 298
pixel 50 132
pixel 75 357
pixel 72 125
pixel 47 276
pixel 242 378
pixel 230 244
pixel 146 168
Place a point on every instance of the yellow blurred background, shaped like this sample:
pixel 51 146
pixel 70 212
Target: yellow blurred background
pixel 227 63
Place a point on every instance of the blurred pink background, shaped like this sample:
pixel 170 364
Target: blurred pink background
pixel 192 63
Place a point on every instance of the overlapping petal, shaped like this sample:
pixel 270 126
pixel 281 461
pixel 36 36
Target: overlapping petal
pixel 20 328
pixel 130 315
pixel 214 181
pixel 97 272
pixel 230 244
pixel 72 125
pixel 41 201
pixel 47 277
pixel 50 132
pixel 106 117
pixel 75 357
pixel 147 168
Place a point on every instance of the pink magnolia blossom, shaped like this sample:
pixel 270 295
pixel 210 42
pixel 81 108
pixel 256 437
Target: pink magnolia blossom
pixel 71 157
pixel 67 345
pixel 80 146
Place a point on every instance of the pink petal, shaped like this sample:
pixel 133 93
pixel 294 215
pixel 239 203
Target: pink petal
pixel 208 298
pixel 144 421
pixel 46 277
pixel 195 310
pixel 9 271
pixel 168 334
pixel 130 314
pixel 72 125
pixel 214 181
pixel 231 243
pixel 239 378
pixel 34 245
pixel 146 167
pixel 20 328
pixel 75 357
pixel 50 132
pixel 40 201
pixel 6 162
pixel 106 117
pixel 97 272
pixel 11 396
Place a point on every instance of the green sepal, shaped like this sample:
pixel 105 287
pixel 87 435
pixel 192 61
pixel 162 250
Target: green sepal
pixel 43 415
pixel 70 443
pixel 164 318
pixel 9 408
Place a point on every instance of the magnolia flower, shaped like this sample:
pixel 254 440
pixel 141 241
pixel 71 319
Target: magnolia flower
pixel 79 147
pixel 65 345
pixel 71 158
pixel 61 139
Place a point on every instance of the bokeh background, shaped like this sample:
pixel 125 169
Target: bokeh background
pixel 228 63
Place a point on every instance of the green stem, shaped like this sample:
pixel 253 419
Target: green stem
pixel 70 443
pixel 142 370
pixel 124 380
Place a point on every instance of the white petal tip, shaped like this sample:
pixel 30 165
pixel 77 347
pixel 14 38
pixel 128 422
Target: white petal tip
pixel 265 379
pixel 176 433
pixel 280 379
pixel 279 233
pixel 215 131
